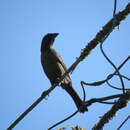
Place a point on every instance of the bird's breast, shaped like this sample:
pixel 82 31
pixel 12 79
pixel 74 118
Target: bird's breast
pixel 51 66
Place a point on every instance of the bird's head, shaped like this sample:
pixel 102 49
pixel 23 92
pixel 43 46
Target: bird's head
pixel 48 40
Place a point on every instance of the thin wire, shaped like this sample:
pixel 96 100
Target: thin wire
pixel 122 83
pixel 109 76
pixel 58 123
pixel 63 120
pixel 123 122
pixel 124 62
pixel 84 93
pixel 125 77
pixel 112 86
pixel 24 113
pixel 115 5
pixel 104 54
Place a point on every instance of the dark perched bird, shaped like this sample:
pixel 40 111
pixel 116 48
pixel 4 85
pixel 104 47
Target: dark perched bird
pixel 54 68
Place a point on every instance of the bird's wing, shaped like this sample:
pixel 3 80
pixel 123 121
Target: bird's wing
pixel 59 59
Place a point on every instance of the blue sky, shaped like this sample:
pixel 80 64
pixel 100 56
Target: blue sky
pixel 23 24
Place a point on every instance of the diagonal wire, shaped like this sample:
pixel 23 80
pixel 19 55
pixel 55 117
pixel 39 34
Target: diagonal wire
pixel 123 123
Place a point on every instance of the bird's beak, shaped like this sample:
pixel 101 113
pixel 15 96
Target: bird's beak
pixel 56 34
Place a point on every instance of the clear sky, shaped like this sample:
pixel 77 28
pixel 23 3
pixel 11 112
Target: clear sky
pixel 23 23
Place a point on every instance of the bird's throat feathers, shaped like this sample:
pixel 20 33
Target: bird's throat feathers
pixel 47 44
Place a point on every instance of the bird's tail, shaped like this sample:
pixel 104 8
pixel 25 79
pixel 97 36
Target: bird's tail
pixel 77 100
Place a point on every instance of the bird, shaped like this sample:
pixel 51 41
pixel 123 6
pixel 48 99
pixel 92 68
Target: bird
pixel 54 67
